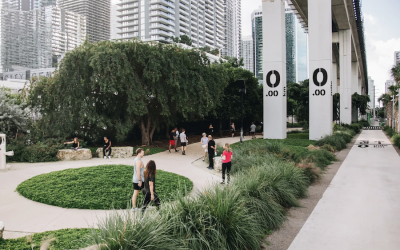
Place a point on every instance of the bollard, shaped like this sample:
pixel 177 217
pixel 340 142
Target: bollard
pixel 3 152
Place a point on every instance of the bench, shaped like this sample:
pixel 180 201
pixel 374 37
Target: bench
pixel 72 155
pixel 117 152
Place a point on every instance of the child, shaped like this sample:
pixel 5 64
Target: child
pixel 204 144
pixel 226 162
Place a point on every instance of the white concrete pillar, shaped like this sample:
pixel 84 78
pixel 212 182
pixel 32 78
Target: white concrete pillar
pixel 334 79
pixel 320 52
pixel 359 90
pixel 274 68
pixel 345 76
pixel 354 77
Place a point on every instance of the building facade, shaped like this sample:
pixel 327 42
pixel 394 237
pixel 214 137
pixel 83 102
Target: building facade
pixel 159 20
pixel 371 93
pixel 389 83
pixel 247 53
pixel 296 47
pixel 97 15
pixel 396 57
pixel 233 28
pixel 37 38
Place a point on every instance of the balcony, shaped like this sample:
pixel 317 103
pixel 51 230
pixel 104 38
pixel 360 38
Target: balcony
pixel 128 18
pixel 161 32
pixel 159 38
pixel 162 14
pixel 162 26
pixel 185 18
pixel 184 29
pixel 128 6
pixel 162 20
pixel 127 24
pixel 209 27
pixel 127 2
pixel 127 30
pixel 128 12
pixel 185 2
pixel 167 3
pixel 185 7
pixel 163 8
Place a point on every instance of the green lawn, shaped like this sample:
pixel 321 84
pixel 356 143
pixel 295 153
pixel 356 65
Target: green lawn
pixel 99 187
pixel 63 239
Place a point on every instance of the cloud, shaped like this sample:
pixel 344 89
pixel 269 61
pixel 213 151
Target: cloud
pixel 380 56
pixel 370 19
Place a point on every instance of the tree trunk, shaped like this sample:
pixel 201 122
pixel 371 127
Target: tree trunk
pixel 145 131
pixel 220 128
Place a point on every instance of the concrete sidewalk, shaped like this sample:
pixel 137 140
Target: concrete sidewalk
pixel 360 210
pixel 22 216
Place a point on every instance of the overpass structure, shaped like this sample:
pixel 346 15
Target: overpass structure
pixel 337 62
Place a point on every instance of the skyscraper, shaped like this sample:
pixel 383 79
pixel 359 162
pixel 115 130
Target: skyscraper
pixel 97 13
pixel 37 38
pixel 247 53
pixel 371 93
pixel 159 20
pixel 233 29
pixel 295 39
pixel 388 83
pixel 396 57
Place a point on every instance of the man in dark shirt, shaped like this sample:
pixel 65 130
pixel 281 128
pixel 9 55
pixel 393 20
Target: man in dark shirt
pixel 211 151
pixel 172 140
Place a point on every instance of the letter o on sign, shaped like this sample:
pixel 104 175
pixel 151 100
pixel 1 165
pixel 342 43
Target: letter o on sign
pixel 324 77
pixel 278 79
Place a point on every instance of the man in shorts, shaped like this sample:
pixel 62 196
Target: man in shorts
pixel 253 131
pixel 176 139
pixel 138 176
pixel 183 141
pixel 172 140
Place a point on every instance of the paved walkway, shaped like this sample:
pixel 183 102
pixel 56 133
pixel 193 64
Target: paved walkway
pixel 22 216
pixel 360 210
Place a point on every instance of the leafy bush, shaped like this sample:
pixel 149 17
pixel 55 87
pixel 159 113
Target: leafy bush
pixel 390 131
pixel 336 140
pixel 303 136
pixel 364 123
pixel 396 140
pixel 328 148
pixel 320 158
pixel 296 125
pixel 149 151
pixel 64 239
pixel 100 187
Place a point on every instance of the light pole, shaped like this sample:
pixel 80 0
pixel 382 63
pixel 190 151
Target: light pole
pixel 242 90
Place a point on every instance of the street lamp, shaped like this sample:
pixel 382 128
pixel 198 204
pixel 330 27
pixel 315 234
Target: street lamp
pixel 242 89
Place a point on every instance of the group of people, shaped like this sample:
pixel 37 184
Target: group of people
pixel 173 140
pixel 106 146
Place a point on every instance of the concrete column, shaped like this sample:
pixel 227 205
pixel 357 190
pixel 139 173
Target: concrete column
pixel 354 77
pixel 274 68
pixel 345 76
pixel 359 91
pixel 334 79
pixel 320 52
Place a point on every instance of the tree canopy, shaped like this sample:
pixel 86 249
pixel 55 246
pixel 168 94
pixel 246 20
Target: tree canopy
pixel 13 115
pixel 107 87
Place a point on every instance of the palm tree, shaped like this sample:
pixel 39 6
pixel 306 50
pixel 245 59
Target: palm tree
pixel 385 99
pixel 393 92
pixel 395 72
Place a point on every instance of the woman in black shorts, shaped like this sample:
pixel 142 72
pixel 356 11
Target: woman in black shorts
pixel 149 191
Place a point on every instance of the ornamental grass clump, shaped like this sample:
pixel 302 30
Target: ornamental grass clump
pixel 124 230
pixel 337 141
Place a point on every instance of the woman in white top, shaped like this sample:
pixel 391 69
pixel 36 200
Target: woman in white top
pixel 204 143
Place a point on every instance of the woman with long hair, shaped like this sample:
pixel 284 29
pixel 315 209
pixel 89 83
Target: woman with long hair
pixel 149 192
pixel 226 162
pixel 75 144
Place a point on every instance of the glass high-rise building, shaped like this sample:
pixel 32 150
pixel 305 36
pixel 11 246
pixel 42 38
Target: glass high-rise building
pixel 37 38
pixel 233 29
pixel 296 47
pixel 159 20
pixel 97 13
pixel 247 53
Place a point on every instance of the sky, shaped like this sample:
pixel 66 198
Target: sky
pixel 382 35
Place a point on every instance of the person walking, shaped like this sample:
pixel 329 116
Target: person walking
pixel 107 148
pixel 253 131
pixel 138 176
pixel 172 140
pixel 204 144
pixel 233 129
pixel 210 129
pixel 226 163
pixel 262 129
pixel 149 191
pixel 183 141
pixel 176 139
pixel 75 144
pixel 211 151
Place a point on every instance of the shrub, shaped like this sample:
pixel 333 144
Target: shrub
pixel 396 140
pixel 100 187
pixel 390 131
pixel 149 151
pixel 328 148
pixel 126 230
pixel 321 158
pixel 364 123
pixel 336 141
pixel 304 136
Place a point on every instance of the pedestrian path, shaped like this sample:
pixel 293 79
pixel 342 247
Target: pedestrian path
pixel 360 210
pixel 22 216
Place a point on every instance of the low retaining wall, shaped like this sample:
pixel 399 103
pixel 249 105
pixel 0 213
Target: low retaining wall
pixel 72 155
pixel 117 152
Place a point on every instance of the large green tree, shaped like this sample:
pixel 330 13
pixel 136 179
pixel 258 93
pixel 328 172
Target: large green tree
pixel 108 87
pixel 14 118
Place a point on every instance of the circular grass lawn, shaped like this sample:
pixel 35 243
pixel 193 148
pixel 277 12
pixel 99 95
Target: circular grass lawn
pixel 99 187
